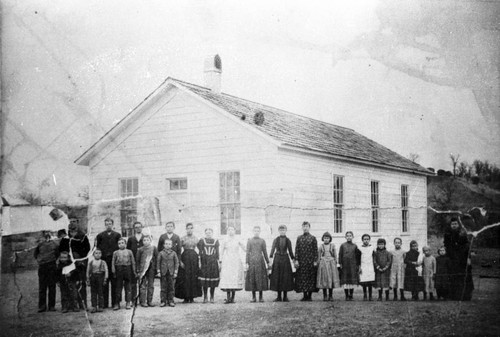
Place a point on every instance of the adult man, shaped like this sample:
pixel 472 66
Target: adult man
pixel 133 243
pixel 176 240
pixel 107 242
pixel 79 246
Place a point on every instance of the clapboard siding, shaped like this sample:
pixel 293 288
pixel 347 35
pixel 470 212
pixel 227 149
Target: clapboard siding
pixel 310 180
pixel 188 139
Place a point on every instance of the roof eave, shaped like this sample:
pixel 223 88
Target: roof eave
pixel 353 160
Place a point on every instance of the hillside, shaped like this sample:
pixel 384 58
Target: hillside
pixel 450 193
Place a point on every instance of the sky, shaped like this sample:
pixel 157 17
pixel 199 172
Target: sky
pixel 418 77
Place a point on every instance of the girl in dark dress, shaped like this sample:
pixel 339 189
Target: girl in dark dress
pixel 306 254
pixel 383 262
pixel 457 248
pixel 209 264
pixel 257 262
pixel 281 276
pixel 187 285
pixel 349 260
pixel 442 282
pixel 413 282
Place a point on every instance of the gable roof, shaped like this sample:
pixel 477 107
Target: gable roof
pixel 291 131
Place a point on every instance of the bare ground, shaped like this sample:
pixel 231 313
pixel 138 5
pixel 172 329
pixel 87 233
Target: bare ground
pixel 476 318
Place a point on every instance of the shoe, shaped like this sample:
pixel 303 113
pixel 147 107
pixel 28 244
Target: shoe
pixel 163 304
pixel 127 306
pixel 365 298
pixel 253 300
pixel 171 304
pixel 42 309
pixel 99 309
pixel 52 309
pixel 64 310
pixel 379 299
pixel 370 298
pixel 76 310
pixel 116 307
pixel 403 299
pixel 93 310
pixel 185 301
pixel 226 301
pixel 150 304
pixel 205 300
pixel 330 298
pixel 191 301
pixel 303 299
pixel 277 300
pixel 285 299
pixel 144 305
pixel 261 300
pixel 325 299
pixel 212 300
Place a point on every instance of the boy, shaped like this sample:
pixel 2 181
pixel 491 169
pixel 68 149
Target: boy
pixel 123 269
pixel 46 255
pixel 146 271
pixel 133 243
pixel 97 274
pixel 398 270
pixel 168 266
pixel 68 279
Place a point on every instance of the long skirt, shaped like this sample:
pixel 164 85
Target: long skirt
pixel 209 273
pixel 413 282
pixel 256 278
pixel 187 284
pixel 305 278
pixel 281 275
pixel 382 279
pixel 328 275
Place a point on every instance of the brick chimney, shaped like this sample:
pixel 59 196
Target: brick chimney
pixel 213 71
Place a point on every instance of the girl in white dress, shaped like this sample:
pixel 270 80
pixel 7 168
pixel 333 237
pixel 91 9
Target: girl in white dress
pixel 366 270
pixel 232 273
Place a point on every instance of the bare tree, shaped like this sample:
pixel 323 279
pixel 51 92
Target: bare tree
pixel 414 157
pixel 454 161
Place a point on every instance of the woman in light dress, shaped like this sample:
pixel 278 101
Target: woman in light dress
pixel 232 273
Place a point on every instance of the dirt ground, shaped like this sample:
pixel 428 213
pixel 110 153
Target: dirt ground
pixel 476 318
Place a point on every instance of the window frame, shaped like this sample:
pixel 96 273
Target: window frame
pixel 128 207
pixel 179 180
pixel 375 205
pixel 230 203
pixel 405 211
pixel 338 196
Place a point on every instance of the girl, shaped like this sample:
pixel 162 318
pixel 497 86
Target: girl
pixel 328 275
pixel 398 270
pixel 231 275
pixel 257 262
pixel 349 255
pixel 306 250
pixel 383 262
pixel 209 264
pixel 442 280
pixel 413 282
pixel 366 270
pixel 428 272
pixel 188 286
pixel 281 276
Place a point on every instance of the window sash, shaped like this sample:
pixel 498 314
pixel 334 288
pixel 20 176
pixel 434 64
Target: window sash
pixel 129 187
pixel 405 213
pixel 178 184
pixel 338 203
pixel 229 195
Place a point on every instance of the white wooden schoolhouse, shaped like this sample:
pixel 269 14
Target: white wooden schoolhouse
pixel 214 159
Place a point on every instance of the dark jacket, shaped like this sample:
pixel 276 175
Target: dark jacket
pixel 46 252
pixel 176 243
pixel 133 244
pixel 107 243
pixel 80 245
pixel 168 262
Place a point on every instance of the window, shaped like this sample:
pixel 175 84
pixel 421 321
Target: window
pixel 177 184
pixel 375 206
pixel 338 203
pixel 129 187
pixel 230 209
pixel 405 212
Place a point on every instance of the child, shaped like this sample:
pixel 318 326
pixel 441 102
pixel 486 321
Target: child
pixel 412 280
pixel 168 266
pixel 46 255
pixel 97 274
pixel 146 271
pixel 442 281
pixel 328 275
pixel 68 279
pixel 383 262
pixel 428 272
pixel 123 269
pixel 366 269
pixel 397 270
pixel 256 260
pixel 281 275
pixel 209 264
pixel 349 255
pixel 231 274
